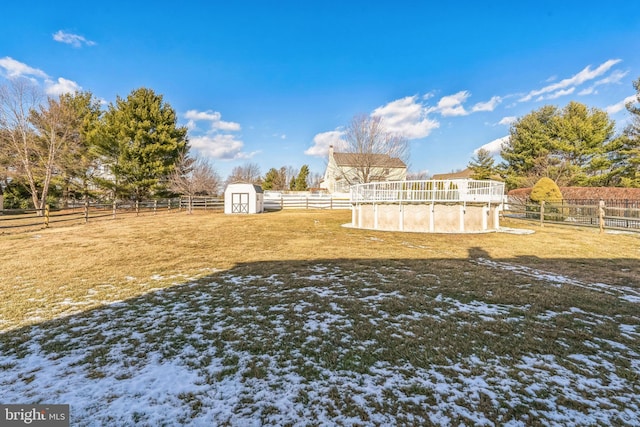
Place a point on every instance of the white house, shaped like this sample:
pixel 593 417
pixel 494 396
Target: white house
pixel 243 198
pixel 346 169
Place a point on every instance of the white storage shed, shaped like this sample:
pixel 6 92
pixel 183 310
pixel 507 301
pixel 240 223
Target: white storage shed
pixel 243 198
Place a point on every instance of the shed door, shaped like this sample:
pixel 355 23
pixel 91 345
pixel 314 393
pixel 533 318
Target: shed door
pixel 240 203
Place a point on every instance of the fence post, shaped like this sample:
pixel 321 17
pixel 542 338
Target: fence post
pixel 601 215
pixel 114 208
pixel 331 203
pixel 86 209
pixel 137 207
pixel 281 202
pixel 155 206
pixel 168 204
pixel 307 200
pixel 542 213
pixel 46 216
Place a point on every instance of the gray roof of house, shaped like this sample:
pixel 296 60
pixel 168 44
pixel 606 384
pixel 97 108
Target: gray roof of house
pixel 375 160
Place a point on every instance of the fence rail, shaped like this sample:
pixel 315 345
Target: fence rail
pixel 202 202
pixel 12 220
pixel 616 214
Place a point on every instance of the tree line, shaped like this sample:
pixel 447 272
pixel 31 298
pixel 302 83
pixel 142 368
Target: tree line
pixel 74 147
pixel 574 146
pixel 54 149
pixel 279 179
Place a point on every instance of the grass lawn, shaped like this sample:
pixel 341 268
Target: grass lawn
pixel 288 318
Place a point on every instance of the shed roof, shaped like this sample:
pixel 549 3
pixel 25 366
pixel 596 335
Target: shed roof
pixel 256 188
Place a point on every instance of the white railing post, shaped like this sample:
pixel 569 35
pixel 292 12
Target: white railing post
pixel 429 191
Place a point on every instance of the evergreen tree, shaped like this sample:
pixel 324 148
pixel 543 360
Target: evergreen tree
pixel 269 179
pixel 570 146
pixel 526 152
pixel 482 165
pixel 628 153
pixel 141 144
pixel 275 179
pixel 301 179
pixel 78 163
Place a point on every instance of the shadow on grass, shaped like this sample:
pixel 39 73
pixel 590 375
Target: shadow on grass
pixel 377 342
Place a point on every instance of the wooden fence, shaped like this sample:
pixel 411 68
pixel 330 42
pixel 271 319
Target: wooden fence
pixel 13 220
pixel 202 203
pixel 614 214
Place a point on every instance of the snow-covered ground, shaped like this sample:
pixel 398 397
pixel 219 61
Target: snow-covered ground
pixel 306 348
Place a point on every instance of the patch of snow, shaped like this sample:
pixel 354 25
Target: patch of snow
pixel 627 293
pixel 194 376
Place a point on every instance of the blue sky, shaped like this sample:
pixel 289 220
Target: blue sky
pixel 274 83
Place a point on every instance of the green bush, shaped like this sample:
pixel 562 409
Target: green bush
pixel 546 190
pixel 16 198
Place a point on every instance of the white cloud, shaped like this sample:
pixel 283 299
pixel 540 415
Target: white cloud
pixel 323 140
pixel 614 78
pixel 428 95
pixel 213 117
pixel 16 69
pixel 74 40
pixel 494 147
pixel 406 117
pixel 557 94
pixel 587 91
pixel 451 105
pixel 616 108
pixel 583 76
pixel 490 105
pixel 61 86
pixel 506 121
pixel 228 126
pixel 223 147
pixel 203 115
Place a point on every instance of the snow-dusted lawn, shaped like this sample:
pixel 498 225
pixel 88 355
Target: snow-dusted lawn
pixel 404 342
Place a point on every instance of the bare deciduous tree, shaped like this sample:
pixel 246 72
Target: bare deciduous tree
pixel 55 124
pixel 249 172
pixel 418 176
pixel 192 177
pixel 36 137
pixel 370 146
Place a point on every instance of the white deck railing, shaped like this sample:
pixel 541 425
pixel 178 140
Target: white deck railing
pixel 451 190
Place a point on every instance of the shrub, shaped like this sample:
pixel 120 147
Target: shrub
pixel 546 190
